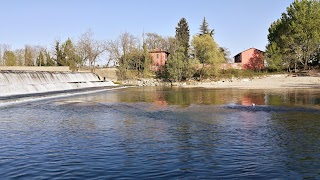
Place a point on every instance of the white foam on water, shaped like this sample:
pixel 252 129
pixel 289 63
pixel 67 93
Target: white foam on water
pixel 53 96
pixel 24 82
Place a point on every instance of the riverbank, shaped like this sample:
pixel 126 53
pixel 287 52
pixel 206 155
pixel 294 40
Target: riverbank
pixel 265 82
pixel 262 82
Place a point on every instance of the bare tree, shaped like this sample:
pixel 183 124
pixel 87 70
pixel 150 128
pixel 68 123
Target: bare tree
pixel 122 46
pixel 154 41
pixel 113 48
pixel 3 48
pixel 124 51
pixel 90 49
pixel 19 54
pixel 29 55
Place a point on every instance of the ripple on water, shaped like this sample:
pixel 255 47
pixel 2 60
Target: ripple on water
pixel 87 138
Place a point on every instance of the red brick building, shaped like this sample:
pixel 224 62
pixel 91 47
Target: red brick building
pixel 250 59
pixel 158 58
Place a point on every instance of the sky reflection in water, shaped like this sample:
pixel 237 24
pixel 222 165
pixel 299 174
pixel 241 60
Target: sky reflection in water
pixel 164 133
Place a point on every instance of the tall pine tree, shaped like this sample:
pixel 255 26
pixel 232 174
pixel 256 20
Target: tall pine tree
pixel 183 35
pixel 178 66
pixel 60 57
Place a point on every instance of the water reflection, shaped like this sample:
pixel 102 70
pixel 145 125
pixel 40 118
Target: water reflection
pixel 182 97
pixel 146 133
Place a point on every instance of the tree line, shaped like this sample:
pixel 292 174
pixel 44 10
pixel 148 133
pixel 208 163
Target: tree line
pixel 200 59
pixel 293 44
pixel 129 53
pixel 83 52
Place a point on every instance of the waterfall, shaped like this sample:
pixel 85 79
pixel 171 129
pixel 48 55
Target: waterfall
pixel 28 82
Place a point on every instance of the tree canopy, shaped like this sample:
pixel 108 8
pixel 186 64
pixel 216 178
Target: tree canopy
pixel 207 51
pixel 9 58
pixel 294 39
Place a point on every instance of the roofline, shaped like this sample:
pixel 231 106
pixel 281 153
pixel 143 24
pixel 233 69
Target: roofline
pixel 247 50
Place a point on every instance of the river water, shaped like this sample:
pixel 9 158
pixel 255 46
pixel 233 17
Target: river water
pixel 144 133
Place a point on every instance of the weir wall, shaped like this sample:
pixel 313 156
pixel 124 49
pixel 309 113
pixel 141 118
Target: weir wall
pixel 16 82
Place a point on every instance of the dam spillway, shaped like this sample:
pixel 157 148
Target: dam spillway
pixel 29 82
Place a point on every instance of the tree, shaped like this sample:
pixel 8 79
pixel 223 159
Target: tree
pixel 295 37
pixel 127 54
pixel 226 54
pixel 147 60
pixel 155 41
pixel 90 49
pixel 128 44
pixel 179 66
pixel 171 45
pixel 40 59
pixel 204 28
pixel 183 36
pixel 208 53
pixel 114 51
pixel 175 65
pixel 275 59
pixel 28 56
pixel 60 56
pixel 19 54
pixel 72 59
pixel 9 58
pixel 49 61
pixel 3 48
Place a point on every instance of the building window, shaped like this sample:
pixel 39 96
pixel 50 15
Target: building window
pixel 157 56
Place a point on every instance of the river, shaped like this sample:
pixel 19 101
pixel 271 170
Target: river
pixel 167 133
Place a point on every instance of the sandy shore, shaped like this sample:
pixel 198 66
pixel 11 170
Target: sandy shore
pixel 267 82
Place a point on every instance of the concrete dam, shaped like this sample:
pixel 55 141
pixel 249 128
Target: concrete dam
pixel 29 82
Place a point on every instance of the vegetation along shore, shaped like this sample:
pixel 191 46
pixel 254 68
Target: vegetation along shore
pixel 293 47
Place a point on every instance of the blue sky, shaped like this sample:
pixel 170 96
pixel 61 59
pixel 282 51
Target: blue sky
pixel 238 24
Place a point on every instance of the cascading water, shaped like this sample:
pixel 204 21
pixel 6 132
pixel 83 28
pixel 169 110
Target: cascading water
pixel 28 82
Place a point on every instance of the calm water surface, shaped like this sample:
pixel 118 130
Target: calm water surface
pixel 143 133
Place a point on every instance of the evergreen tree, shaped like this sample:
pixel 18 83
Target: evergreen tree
pixel 72 59
pixel 28 56
pixel 204 28
pixel 40 60
pixel 49 60
pixel 60 57
pixel 175 65
pixel 183 36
